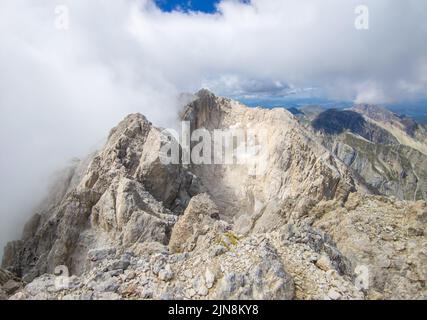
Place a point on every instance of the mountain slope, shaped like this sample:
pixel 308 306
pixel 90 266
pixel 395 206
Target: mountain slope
pixel 386 151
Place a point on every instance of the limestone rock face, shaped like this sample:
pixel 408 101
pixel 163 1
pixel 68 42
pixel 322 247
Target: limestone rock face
pixel 5 276
pixel 110 205
pixel 297 171
pixel 199 215
pixel 128 210
pixel 304 223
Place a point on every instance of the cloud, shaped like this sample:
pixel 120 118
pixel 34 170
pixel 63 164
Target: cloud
pixel 369 92
pixel 235 86
pixel 61 91
pixel 299 43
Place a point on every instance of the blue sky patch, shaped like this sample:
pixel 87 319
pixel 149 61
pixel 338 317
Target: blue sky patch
pixel 206 6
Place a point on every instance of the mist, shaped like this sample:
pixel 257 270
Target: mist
pixel 60 94
pixel 61 91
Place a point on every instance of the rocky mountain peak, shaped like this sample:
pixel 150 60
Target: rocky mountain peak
pixel 204 111
pixel 205 94
pixel 130 226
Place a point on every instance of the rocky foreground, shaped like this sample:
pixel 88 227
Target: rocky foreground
pixel 122 225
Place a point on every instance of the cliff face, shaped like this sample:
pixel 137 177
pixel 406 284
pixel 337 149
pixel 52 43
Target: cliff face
pixel 126 225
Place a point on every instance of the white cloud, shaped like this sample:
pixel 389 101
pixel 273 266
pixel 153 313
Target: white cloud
pixel 369 93
pixel 301 43
pixel 61 91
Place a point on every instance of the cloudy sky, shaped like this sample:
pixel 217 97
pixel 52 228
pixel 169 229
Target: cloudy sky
pixel 70 70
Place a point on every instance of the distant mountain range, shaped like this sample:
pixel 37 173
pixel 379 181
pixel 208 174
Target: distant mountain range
pixel 415 110
pixel 388 151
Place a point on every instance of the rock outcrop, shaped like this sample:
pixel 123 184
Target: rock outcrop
pixel 387 237
pixel 301 224
pixel 110 205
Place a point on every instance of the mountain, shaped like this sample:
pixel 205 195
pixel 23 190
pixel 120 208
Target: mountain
pixel 388 152
pixel 301 223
